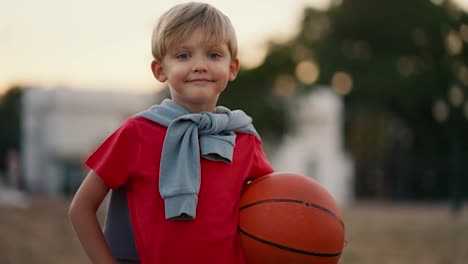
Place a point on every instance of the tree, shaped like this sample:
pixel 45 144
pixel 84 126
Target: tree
pixel 396 63
pixel 10 116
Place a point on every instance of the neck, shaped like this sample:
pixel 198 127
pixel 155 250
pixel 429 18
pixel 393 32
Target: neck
pixel 197 108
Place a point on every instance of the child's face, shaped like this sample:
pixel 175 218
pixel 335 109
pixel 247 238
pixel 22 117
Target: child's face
pixel 197 71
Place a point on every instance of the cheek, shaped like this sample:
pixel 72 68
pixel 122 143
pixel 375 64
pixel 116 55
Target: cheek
pixel 224 71
pixel 177 72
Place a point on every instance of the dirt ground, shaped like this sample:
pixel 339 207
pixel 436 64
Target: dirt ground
pixel 377 233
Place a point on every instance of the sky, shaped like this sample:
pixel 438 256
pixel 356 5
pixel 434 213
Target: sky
pixel 105 44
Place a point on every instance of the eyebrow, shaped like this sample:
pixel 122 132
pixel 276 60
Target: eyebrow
pixel 176 48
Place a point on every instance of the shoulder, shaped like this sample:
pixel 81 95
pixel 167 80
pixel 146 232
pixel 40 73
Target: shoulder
pixel 141 124
pixel 138 128
pixel 248 140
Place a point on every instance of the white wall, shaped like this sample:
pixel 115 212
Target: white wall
pixel 315 146
pixel 64 124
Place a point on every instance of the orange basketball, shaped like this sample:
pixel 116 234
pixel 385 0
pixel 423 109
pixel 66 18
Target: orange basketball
pixel 290 219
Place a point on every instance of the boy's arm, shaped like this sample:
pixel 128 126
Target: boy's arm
pixel 82 213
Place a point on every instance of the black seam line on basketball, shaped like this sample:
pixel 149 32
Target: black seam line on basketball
pixel 271 201
pixel 295 201
pixel 255 182
pixel 327 211
pixel 310 253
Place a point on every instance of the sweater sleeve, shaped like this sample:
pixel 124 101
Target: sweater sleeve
pixel 116 158
pixel 260 164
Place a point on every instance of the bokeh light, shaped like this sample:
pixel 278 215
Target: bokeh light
pixel 453 43
pixel 440 111
pixel 455 96
pixel 463 74
pixel 342 82
pixel 284 85
pixel 437 2
pixel 307 72
pixel 464 32
pixel 406 66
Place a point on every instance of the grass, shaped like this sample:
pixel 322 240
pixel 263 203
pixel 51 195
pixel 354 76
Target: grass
pixel 377 233
pixel 391 234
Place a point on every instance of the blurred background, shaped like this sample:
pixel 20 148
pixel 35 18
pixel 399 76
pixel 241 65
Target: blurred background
pixel 370 98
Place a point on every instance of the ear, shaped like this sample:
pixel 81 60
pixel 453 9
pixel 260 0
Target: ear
pixel 158 71
pixel 233 69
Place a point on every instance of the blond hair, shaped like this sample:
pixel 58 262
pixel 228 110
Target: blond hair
pixel 181 20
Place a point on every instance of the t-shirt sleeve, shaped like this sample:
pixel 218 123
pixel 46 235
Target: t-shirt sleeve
pixel 260 164
pixel 116 157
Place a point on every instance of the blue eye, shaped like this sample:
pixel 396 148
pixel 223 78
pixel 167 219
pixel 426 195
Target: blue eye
pixel 183 56
pixel 214 55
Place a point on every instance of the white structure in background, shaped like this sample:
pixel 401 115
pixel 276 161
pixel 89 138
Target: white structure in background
pixel 315 147
pixel 61 127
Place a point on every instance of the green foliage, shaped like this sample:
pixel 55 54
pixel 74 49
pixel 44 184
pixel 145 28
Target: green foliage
pixel 403 56
pixel 10 116
pixel 401 61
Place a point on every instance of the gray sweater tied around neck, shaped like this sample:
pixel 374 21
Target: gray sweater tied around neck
pixel 189 135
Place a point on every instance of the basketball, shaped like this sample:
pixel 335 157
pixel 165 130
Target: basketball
pixel 288 218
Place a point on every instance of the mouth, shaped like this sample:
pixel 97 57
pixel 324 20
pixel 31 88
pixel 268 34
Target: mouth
pixel 200 80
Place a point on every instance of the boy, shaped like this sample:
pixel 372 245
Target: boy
pixel 181 165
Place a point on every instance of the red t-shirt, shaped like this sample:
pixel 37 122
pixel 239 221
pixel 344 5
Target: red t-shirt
pixel 131 156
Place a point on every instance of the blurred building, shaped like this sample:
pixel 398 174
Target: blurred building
pixel 60 127
pixel 315 146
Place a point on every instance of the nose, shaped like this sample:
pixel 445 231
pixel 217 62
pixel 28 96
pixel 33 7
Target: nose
pixel 200 66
